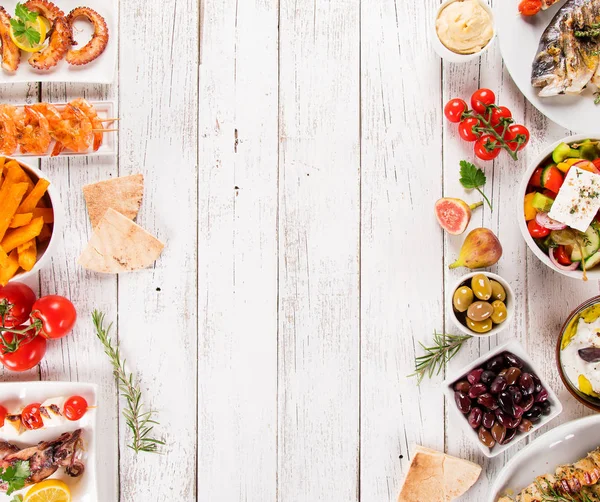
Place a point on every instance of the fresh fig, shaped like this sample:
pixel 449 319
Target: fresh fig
pixel 454 215
pixel 481 249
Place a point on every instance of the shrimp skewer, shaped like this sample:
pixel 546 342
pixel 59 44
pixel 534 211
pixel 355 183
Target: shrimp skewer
pixel 92 115
pixel 35 136
pixel 96 46
pixel 11 54
pixel 8 131
pixel 73 132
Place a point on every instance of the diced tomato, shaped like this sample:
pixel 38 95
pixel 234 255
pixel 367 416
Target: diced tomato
pixel 561 255
pixel 552 179
pixel 549 194
pixel 536 179
pixel 596 163
pixel 536 230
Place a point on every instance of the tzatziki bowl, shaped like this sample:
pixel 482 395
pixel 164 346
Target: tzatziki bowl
pixel 578 353
pixel 558 207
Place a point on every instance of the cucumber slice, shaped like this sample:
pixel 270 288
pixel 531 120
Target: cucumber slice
pixel 592 261
pixel 590 248
pixel 563 152
pixel 541 202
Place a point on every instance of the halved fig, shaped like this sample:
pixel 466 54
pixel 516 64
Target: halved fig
pixel 454 215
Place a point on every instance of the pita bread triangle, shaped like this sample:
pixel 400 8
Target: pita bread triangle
pixel 123 194
pixel 119 245
pixel 436 477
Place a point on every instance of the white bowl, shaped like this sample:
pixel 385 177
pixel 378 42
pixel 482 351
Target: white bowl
pixel 593 274
pixel 517 349
pixel 44 252
pixel 563 445
pixel 455 57
pixel 509 302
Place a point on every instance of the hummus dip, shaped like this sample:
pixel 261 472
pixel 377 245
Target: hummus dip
pixel 464 26
pixel 583 332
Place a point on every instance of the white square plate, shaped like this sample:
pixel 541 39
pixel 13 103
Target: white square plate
pixel 100 71
pixel 19 394
pixel 105 109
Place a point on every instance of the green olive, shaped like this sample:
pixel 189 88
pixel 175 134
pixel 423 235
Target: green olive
pixel 499 314
pixel 481 286
pixel 463 297
pixel 498 292
pixel 479 326
pixel 479 311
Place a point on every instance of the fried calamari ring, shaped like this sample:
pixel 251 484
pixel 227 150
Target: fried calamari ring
pixel 11 54
pixel 60 40
pixel 96 46
pixel 46 9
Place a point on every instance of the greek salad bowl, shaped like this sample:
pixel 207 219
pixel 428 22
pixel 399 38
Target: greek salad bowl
pixel 578 353
pixel 558 204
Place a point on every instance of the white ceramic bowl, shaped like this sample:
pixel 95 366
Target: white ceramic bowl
pixel 44 252
pixel 509 302
pixel 593 274
pixel 517 349
pixel 565 444
pixel 455 57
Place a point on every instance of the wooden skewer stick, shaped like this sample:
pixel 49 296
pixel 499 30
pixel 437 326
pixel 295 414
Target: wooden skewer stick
pixel 104 130
pixel 110 120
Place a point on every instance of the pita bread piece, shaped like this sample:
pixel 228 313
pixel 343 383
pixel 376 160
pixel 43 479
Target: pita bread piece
pixel 124 195
pixel 119 245
pixel 436 477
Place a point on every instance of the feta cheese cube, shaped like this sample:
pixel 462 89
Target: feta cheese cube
pixel 578 199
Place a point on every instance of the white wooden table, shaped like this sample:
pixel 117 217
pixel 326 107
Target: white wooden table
pixel 293 151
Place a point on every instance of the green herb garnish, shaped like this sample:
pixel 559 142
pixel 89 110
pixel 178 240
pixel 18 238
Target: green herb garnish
pixel 139 421
pixel 444 348
pixel 15 476
pixel 19 24
pixel 471 177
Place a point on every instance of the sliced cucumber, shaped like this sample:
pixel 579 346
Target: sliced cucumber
pixel 563 152
pixel 590 248
pixel 542 203
pixel 592 261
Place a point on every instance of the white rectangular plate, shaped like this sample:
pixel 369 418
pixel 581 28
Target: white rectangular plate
pixel 105 109
pixel 99 71
pixel 20 394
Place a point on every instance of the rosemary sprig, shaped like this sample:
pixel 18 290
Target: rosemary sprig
pixel 551 494
pixel 444 348
pixel 139 421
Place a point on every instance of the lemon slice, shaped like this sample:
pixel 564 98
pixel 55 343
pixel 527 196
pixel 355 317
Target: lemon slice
pixel 21 41
pixel 51 490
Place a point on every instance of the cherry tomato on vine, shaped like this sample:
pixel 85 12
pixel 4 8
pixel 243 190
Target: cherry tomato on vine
pixel 561 255
pixel 16 302
pixel 530 7
pixel 500 115
pixel 536 230
pixel 487 147
pixel 75 408
pixel 465 129
pixel 454 110
pixel 516 134
pixel 31 416
pixel 3 413
pixel 57 315
pixel 29 353
pixel 481 99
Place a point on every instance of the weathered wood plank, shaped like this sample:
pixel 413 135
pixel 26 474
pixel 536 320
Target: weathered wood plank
pixel 237 373
pixel 319 251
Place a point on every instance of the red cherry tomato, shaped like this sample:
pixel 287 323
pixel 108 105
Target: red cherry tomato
pixel 75 408
pixel 487 147
pixel 31 417
pixel 596 163
pixel 29 353
pixel 536 178
pixel 500 116
pixel 553 179
pixel 454 110
pixel 3 413
pixel 465 129
pixel 57 314
pixel 481 99
pixel 530 7
pixel 16 302
pixel 517 135
pixel 536 230
pixel 560 253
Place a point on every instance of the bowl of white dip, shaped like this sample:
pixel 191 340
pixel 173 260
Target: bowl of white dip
pixel 578 353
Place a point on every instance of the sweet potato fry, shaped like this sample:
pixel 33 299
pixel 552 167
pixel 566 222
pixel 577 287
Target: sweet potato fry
pixel 31 200
pixel 20 220
pixel 45 234
pixel 15 173
pixel 27 255
pixel 11 196
pixel 3 258
pixel 9 271
pixel 14 238
pixel 44 212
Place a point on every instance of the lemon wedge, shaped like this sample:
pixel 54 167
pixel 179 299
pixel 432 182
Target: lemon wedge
pixel 51 490
pixel 21 41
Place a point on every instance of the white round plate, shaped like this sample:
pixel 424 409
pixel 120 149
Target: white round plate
pixel 565 444
pixel 519 38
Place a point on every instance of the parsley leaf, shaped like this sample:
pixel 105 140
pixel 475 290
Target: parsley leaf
pixel 25 14
pixel 32 36
pixel 471 177
pixel 19 24
pixel 15 476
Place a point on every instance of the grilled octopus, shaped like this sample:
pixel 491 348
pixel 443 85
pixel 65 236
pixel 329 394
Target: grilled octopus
pixel 45 458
